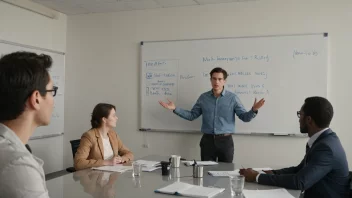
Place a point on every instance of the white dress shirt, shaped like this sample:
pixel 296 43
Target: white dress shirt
pixel 315 137
pixel 21 173
pixel 310 143
pixel 108 153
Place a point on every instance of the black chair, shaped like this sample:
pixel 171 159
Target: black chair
pixel 350 184
pixel 28 148
pixel 74 147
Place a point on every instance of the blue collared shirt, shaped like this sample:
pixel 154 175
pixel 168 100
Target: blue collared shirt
pixel 218 113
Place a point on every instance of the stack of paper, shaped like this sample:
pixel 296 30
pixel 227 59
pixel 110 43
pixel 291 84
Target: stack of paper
pixel 203 163
pixel 148 163
pixel 149 166
pixel 189 190
pixel 117 168
pixel 274 193
pixel 224 173
pixel 233 173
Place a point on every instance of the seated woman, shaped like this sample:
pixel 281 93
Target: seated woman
pixel 101 146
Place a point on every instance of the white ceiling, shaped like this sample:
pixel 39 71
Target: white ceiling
pixel 74 7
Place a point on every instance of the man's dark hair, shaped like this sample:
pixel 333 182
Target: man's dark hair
pixel 101 110
pixel 21 73
pixel 218 70
pixel 319 109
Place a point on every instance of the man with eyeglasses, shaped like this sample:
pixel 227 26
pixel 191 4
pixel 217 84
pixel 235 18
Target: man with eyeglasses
pixel 26 102
pixel 323 172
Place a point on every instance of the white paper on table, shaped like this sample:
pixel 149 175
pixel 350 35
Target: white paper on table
pixel 148 163
pixel 189 190
pixel 149 168
pixel 117 168
pixel 273 193
pixel 234 173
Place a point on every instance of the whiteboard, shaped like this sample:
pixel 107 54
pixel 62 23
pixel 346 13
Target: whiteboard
pixel 282 69
pixel 57 73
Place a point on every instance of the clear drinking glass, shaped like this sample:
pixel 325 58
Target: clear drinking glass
pixel 237 185
pixel 137 169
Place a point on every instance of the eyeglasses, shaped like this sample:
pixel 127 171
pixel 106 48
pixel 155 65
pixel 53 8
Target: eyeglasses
pixel 299 113
pixel 54 90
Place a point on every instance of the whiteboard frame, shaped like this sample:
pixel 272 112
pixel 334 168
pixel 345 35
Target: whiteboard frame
pixel 45 50
pixel 31 47
pixel 324 34
pixel 46 136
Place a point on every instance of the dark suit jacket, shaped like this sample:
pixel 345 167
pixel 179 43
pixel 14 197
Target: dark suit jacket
pixel 323 173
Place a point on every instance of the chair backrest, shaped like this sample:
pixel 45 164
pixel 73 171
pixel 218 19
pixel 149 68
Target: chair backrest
pixel 74 146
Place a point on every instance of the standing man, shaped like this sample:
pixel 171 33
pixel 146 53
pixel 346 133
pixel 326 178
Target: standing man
pixel 26 102
pixel 219 108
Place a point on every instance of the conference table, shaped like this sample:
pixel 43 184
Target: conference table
pixel 93 183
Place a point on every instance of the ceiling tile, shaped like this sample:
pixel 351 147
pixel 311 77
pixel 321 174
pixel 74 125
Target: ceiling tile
pixel 105 7
pixel 142 4
pixel 216 1
pixel 72 7
pixel 175 3
pixel 68 8
pixel 120 6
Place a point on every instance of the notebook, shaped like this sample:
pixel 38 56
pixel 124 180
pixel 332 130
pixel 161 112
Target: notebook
pixel 233 173
pixel 189 190
pixel 203 163
pixel 274 193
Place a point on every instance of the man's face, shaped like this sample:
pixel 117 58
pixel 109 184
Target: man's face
pixel 303 126
pixel 46 106
pixel 217 81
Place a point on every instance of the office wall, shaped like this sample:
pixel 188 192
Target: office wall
pixel 103 66
pixel 25 27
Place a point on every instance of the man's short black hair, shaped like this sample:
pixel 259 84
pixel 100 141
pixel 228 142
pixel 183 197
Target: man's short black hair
pixel 218 70
pixel 21 73
pixel 319 109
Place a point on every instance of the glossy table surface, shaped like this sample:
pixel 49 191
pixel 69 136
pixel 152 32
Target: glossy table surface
pixel 93 183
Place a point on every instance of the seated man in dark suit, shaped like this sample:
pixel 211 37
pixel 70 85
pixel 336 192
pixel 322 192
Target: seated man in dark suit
pixel 323 172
